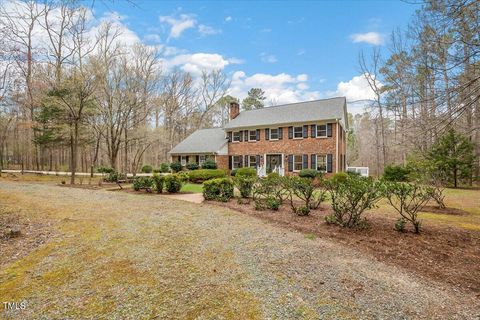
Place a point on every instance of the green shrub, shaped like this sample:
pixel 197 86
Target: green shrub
pixel 143 183
pixel 273 175
pixel 147 168
pixel 233 172
pixel 303 211
pixel 183 175
pixel 173 183
pixel 176 166
pixel 400 225
pixel 192 166
pixel 209 164
pixel 309 173
pixel 115 176
pixel 220 189
pixel 273 204
pixel 339 177
pixel 158 182
pixel 103 169
pixel 245 185
pixel 408 199
pixel 301 188
pixel 164 168
pixel 350 198
pixel 246 172
pixel 272 187
pixel 198 176
pixel 395 173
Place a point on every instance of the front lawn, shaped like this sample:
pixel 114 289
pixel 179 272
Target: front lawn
pixel 192 188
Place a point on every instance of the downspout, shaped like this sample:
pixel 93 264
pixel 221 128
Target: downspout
pixel 337 155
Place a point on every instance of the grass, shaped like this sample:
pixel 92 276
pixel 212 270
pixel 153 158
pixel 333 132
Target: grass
pixel 192 188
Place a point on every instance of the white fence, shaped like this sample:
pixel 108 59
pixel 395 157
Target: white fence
pixel 66 173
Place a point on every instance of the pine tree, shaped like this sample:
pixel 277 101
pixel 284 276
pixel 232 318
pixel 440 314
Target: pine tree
pixel 254 100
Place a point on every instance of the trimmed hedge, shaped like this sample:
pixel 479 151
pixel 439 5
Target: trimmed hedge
pixel 309 173
pixel 158 182
pixel 192 166
pixel 209 164
pixel 173 183
pixel 147 168
pixel 246 172
pixel 176 166
pixel 220 189
pixel 198 176
pixel 143 183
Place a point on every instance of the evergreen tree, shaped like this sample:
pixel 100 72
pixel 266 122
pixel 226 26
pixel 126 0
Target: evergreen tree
pixel 453 155
pixel 254 100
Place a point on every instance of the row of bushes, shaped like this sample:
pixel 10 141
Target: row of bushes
pixel 350 195
pixel 165 167
pixel 171 183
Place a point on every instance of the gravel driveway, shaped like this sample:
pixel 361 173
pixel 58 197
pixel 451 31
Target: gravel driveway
pixel 127 256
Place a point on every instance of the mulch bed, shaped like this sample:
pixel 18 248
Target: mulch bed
pixel 452 211
pixel 445 254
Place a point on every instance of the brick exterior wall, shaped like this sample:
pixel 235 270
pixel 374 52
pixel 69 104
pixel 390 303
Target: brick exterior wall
pixel 288 146
pixel 222 162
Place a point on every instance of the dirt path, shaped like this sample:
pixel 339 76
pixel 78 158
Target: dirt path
pixel 124 256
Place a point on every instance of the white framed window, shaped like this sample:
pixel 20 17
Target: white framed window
pixel 274 134
pixel 297 162
pixel 201 159
pixel 321 162
pixel 322 131
pixel 236 136
pixel 297 132
pixel 252 161
pixel 183 160
pixel 252 135
pixel 237 162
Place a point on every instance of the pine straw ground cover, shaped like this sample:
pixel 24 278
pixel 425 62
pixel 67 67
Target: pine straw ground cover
pixel 116 255
pixel 447 249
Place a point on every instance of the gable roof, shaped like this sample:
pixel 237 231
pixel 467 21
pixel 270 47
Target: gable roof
pixel 202 141
pixel 309 111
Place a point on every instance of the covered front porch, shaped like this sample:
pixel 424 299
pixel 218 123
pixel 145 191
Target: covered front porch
pixel 271 163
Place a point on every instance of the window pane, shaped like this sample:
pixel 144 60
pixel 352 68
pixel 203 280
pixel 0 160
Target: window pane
pixel 273 133
pixel 322 130
pixel 252 161
pixel 253 135
pixel 298 132
pixel 297 163
pixel 236 136
pixel 321 162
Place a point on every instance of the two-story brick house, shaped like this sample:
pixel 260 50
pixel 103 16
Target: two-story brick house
pixel 284 139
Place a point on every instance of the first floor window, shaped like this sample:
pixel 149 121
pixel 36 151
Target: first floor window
pixel 274 134
pixel 321 162
pixel 183 160
pixel 322 131
pixel 236 136
pixel 201 159
pixel 252 135
pixel 237 162
pixel 298 132
pixel 252 161
pixel 297 162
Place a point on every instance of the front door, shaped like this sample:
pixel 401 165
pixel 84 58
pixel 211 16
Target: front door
pixel 273 160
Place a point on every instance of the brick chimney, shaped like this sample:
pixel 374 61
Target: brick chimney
pixel 234 110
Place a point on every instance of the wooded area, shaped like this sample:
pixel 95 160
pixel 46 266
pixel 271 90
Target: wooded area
pixel 72 95
pixel 429 83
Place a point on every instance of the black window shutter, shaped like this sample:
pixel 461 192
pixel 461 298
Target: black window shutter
pixel 313 162
pixel 197 159
pixel 258 161
pixel 229 136
pixel 230 162
pixel 258 134
pixel 187 158
pixel 290 163
pixel 305 131
pixel 246 135
pixel 290 132
pixel 313 130
pixel 329 129
pixel 280 133
pixel 267 134
pixel 305 161
pixel 246 161
pixel 241 136
pixel 329 162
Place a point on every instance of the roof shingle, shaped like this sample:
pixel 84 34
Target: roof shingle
pixel 202 141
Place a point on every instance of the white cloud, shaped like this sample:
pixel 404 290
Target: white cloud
pixel 207 30
pixel 228 19
pixel 195 63
pixel 374 38
pixel 281 88
pixel 154 38
pixel 268 58
pixel 178 25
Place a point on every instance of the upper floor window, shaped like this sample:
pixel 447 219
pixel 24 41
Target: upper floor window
pixel 297 132
pixel 236 136
pixel 322 131
pixel 252 135
pixel 274 134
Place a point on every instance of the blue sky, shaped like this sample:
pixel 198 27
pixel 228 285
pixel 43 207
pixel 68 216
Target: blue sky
pixel 294 50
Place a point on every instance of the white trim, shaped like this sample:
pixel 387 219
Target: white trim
pixel 301 132
pixel 254 140
pixel 239 137
pixel 270 134
pixel 326 131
